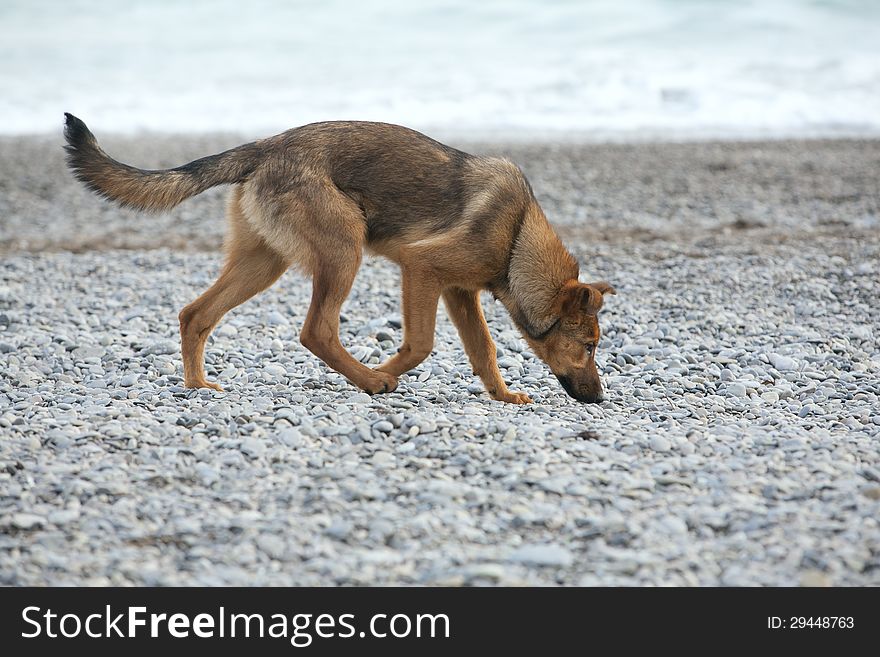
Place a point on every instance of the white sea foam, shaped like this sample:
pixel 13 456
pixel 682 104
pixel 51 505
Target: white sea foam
pixel 660 68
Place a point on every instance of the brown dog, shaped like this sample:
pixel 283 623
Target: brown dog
pixel 315 196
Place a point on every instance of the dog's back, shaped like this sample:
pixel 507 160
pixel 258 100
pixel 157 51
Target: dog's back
pixel 407 185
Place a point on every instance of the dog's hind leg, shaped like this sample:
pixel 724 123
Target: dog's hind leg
pixel 466 313
pixel 250 268
pixel 421 293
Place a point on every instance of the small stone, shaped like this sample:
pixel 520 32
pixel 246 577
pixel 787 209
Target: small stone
pixel 736 390
pixel 491 571
pixel 253 447
pixel 872 493
pixel 128 380
pixel 814 578
pixel 381 529
pixel 275 370
pixel 362 354
pixel 633 349
pixel 383 459
pixel 793 444
pixel 274 546
pixel 807 409
pixel 384 426
pixel 674 525
pixel 542 555
pixel 199 443
pixel 291 438
pixel 27 521
pixel 660 444
pixel 63 516
pixel 88 352
pixel 162 347
pixel 207 474
pixel 275 318
pixel 339 529
pixel 870 474
pixel 782 363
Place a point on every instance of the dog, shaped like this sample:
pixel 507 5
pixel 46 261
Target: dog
pixel 316 196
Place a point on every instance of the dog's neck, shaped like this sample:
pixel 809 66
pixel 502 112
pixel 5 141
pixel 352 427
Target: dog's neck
pixel 538 268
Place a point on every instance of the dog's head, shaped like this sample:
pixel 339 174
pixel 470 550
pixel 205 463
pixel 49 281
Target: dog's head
pixel 569 347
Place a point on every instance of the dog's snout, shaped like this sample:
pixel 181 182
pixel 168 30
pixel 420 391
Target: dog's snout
pixel 591 398
pixel 585 396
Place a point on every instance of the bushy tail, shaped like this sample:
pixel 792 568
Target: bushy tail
pixel 152 191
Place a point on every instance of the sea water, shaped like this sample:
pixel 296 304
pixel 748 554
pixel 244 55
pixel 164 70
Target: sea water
pixel 512 68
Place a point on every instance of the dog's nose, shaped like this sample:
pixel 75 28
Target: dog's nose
pixel 574 391
pixel 590 398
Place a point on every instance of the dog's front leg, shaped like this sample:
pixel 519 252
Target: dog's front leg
pixel 467 315
pixel 320 333
pixel 421 293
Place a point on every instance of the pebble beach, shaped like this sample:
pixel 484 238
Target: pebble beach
pixel 739 443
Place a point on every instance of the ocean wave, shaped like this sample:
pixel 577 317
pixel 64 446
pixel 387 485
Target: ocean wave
pixel 663 68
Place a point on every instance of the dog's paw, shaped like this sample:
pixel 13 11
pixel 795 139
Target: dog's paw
pixel 204 384
pixel 380 382
pixel 513 398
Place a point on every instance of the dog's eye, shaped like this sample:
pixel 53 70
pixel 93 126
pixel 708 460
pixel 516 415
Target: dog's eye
pixel 590 348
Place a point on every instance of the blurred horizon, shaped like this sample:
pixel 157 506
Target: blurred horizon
pixel 518 68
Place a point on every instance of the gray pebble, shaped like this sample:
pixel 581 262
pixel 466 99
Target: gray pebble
pixel 736 390
pixel 542 555
pixel 253 447
pixel 660 444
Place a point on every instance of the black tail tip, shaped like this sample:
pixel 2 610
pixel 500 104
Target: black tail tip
pixel 70 121
pixel 75 131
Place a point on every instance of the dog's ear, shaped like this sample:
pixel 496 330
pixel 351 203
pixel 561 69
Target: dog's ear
pixel 584 297
pixel 595 298
pixel 581 298
pixel 576 297
pixel 604 287
pixel 591 301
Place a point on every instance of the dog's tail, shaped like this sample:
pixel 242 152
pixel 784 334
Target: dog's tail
pixel 152 191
